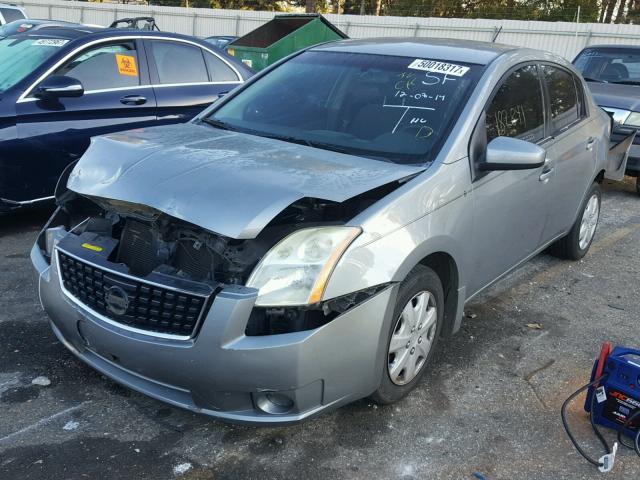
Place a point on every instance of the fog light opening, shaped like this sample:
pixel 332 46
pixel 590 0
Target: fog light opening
pixel 274 403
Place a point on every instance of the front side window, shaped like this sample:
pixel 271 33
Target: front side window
pixel 563 99
pixel 179 63
pixel 610 65
pixel 105 66
pixel 398 109
pixel 21 55
pixel 516 109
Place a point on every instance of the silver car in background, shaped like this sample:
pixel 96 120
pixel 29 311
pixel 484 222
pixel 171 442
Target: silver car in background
pixel 312 237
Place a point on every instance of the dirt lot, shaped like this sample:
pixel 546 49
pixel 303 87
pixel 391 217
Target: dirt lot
pixel 489 407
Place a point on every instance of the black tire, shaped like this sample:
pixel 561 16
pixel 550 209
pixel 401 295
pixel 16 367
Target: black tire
pixel 421 279
pixel 569 246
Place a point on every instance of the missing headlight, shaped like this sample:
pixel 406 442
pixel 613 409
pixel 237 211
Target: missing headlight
pixel 274 321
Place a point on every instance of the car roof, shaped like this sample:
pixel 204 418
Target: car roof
pixel 74 31
pixel 8 5
pixel 468 51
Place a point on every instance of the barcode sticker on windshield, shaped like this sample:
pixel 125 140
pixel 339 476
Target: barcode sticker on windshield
pixel 439 67
pixel 50 42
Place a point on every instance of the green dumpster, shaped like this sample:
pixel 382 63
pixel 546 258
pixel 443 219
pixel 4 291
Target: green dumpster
pixel 282 36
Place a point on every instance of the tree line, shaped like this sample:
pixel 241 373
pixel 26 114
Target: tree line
pixel 602 11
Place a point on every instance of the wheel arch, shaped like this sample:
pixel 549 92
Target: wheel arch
pixel 446 268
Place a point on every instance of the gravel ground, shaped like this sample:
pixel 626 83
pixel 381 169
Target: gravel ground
pixel 489 407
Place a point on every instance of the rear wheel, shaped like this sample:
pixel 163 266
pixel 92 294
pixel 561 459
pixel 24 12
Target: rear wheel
pixel 414 334
pixel 577 242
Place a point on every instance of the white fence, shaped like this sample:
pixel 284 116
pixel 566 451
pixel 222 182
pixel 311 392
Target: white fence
pixel 563 38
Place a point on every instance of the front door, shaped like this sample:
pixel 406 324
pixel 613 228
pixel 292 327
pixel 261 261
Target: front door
pixel 510 207
pixel 117 96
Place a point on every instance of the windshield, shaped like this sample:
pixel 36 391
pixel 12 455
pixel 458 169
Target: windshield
pixel 390 108
pixel 19 56
pixel 610 65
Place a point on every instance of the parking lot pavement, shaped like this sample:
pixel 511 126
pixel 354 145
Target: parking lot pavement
pixel 490 406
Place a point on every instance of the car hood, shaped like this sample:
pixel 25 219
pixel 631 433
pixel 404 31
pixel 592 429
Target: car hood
pixel 230 183
pixel 626 97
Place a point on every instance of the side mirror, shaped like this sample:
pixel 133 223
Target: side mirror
pixel 506 153
pixel 57 86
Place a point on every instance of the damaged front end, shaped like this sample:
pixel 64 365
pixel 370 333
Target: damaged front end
pixel 149 272
pixel 169 209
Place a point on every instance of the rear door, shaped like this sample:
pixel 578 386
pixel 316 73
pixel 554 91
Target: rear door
pixel 186 78
pixel 117 96
pixel 574 147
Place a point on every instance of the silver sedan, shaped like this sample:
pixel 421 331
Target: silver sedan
pixel 312 237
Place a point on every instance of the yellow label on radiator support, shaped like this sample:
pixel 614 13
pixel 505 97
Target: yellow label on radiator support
pixel 88 246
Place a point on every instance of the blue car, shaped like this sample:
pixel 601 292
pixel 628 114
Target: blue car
pixel 62 85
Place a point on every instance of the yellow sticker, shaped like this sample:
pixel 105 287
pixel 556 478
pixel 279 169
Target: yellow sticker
pixel 95 248
pixel 127 65
pixel 231 52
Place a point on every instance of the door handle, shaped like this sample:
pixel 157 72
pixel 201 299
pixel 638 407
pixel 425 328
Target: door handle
pixel 133 100
pixel 547 171
pixel 590 143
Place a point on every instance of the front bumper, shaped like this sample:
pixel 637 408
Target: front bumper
pixel 223 373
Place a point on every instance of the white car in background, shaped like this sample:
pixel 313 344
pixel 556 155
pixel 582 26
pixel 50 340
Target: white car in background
pixel 11 13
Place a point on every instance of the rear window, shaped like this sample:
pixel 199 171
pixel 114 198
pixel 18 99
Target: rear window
pixel 398 109
pixel 563 98
pixel 179 63
pixel 610 65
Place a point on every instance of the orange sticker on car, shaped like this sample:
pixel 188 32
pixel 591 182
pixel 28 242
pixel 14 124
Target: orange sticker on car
pixel 127 65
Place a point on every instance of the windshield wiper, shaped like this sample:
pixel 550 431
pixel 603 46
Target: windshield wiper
pixel 285 138
pixel 217 123
pixel 626 82
pixel 590 79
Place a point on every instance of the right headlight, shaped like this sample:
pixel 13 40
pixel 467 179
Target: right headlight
pixel 296 270
pixel 633 120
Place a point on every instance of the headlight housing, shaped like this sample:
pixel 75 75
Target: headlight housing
pixel 296 270
pixel 633 120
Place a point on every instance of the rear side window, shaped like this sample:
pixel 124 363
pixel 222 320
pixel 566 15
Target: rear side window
pixel 179 63
pixel 563 98
pixel 516 109
pixel 218 70
pixel 11 14
pixel 105 66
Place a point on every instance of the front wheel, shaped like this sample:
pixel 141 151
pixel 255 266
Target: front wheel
pixel 413 336
pixel 577 242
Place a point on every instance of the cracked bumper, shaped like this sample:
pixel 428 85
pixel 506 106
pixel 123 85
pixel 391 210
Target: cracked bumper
pixel 222 372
